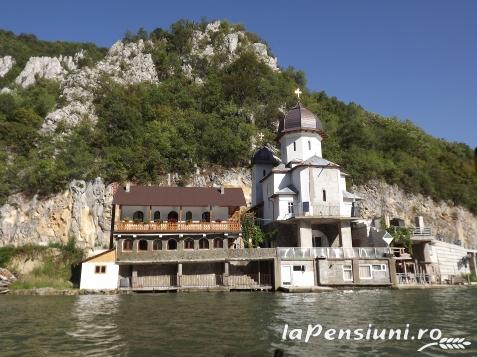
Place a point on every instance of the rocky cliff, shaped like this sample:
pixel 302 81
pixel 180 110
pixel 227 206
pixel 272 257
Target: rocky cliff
pixel 84 210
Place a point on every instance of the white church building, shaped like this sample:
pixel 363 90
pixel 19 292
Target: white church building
pixel 303 198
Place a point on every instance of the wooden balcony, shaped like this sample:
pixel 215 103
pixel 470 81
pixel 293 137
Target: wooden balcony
pixel 171 227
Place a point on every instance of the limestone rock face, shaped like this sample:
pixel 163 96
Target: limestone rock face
pixel 202 45
pixel 45 67
pixel 84 211
pixel 124 63
pixel 6 64
pixel 447 221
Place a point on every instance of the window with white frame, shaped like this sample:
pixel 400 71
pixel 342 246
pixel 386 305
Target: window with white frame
pixel 378 267
pixel 365 272
pixel 290 207
pixel 347 273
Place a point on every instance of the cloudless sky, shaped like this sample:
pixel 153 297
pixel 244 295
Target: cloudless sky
pixel 414 59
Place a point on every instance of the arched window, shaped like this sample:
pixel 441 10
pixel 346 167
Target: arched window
pixel 206 216
pixel 309 145
pixel 172 217
pixel 188 216
pixel 264 173
pixel 294 146
pixel 218 243
pixel 127 244
pixel 157 245
pixel 171 244
pixel 138 216
pixel 203 243
pixel 142 244
pixel 157 216
pixel 188 243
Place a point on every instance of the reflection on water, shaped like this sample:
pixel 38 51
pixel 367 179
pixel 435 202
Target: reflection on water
pixel 228 324
pixel 94 326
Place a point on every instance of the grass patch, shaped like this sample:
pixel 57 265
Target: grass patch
pixel 58 261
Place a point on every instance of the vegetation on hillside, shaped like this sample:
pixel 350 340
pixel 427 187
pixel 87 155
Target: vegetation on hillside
pixel 55 264
pixel 147 130
pixel 22 47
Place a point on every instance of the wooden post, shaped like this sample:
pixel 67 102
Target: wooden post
pixel 405 271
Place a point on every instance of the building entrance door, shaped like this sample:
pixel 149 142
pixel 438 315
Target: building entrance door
pixel 286 273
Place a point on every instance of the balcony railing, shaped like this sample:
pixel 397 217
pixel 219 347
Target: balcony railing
pixel 413 279
pixel 338 253
pixel 425 231
pixel 226 226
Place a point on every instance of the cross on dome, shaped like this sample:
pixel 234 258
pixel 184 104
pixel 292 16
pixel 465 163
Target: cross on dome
pixel 298 92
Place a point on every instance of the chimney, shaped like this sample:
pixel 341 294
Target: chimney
pixel 128 187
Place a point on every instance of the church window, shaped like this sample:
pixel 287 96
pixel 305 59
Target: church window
pixel 309 145
pixel 206 216
pixel 290 207
pixel 142 245
pixel 264 173
pixel 171 244
pixel 157 216
pixel 157 245
pixel 203 243
pixel 218 243
pixel 294 146
pixel 128 244
pixel 324 195
pixel 188 243
pixel 138 216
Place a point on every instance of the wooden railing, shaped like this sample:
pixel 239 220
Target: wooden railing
pixel 227 226
pixel 410 278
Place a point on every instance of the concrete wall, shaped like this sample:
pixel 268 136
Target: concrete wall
pixel 450 258
pixel 93 281
pixel 330 272
pixel 301 149
pixel 297 273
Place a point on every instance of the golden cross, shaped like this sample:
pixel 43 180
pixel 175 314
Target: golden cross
pixel 260 136
pixel 298 92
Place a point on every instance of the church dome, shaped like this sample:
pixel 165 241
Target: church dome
pixel 299 118
pixel 264 156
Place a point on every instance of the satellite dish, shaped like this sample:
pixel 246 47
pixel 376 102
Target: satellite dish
pixel 388 238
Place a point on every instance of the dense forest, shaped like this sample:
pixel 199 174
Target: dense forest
pixel 146 130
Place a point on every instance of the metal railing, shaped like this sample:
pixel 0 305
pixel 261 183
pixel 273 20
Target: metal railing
pixel 226 226
pixel 413 279
pixel 329 252
pixel 423 231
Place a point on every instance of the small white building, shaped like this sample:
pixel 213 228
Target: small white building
pixel 100 272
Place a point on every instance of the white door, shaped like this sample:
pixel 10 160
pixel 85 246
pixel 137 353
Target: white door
pixel 286 274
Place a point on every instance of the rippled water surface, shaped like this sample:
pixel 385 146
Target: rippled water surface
pixel 230 324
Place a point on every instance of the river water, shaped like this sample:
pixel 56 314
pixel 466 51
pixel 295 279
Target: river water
pixel 233 324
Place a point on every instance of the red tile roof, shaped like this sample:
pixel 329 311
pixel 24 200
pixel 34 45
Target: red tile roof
pixel 179 196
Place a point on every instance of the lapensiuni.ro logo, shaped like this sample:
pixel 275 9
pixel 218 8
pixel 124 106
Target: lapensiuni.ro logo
pixel 374 333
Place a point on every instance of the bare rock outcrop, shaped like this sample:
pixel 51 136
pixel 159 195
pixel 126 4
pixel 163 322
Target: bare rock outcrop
pixel 448 221
pixel 125 63
pixel 202 45
pixel 6 64
pixel 54 68
pixel 84 210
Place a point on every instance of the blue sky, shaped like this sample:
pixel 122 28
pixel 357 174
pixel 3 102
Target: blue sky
pixel 412 59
